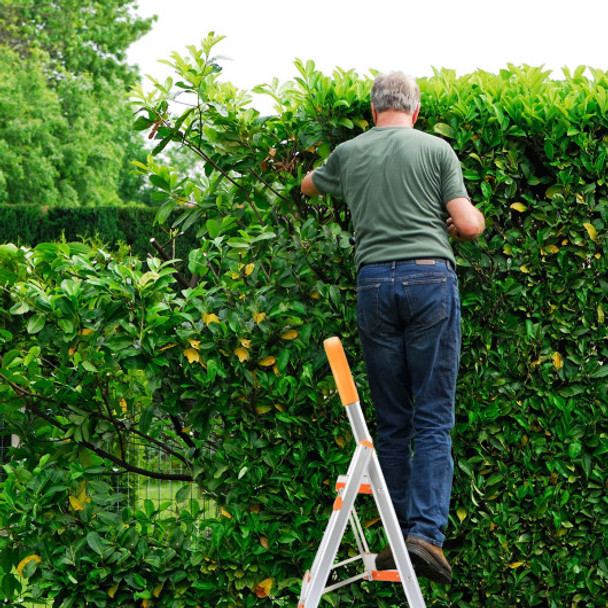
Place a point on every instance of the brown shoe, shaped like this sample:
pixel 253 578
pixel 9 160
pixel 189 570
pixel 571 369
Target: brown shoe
pixel 429 561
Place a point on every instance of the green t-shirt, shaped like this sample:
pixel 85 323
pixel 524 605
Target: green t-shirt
pixel 396 182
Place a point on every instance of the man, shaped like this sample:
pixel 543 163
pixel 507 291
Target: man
pixel 406 195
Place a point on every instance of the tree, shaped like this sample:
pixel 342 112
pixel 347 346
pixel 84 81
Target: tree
pixel 79 36
pixel 64 132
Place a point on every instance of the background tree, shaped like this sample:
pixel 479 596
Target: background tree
pixel 78 36
pixel 63 132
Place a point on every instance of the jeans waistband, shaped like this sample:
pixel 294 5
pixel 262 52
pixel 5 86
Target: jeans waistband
pixel 418 261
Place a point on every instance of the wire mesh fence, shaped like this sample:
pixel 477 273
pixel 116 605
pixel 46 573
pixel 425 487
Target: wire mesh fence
pixel 135 488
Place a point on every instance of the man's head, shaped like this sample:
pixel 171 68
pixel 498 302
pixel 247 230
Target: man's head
pixel 395 91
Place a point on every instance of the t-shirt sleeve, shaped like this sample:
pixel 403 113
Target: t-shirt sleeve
pixel 327 178
pixel 452 181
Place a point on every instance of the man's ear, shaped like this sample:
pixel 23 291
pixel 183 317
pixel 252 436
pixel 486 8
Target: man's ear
pixel 374 114
pixel 415 114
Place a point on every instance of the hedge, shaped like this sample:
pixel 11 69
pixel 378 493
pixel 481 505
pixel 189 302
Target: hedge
pixel 132 225
pixel 237 362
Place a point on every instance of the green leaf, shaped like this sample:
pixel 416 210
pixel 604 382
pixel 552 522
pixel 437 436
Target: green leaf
pixel 95 542
pixel 213 227
pixel 183 494
pixel 602 372
pixel 444 129
pixel 36 324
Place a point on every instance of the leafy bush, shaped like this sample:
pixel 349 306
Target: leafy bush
pixel 226 369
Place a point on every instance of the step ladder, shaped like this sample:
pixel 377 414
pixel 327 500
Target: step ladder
pixel 363 476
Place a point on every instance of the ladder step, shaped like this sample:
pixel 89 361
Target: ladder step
pixel 386 575
pixel 364 488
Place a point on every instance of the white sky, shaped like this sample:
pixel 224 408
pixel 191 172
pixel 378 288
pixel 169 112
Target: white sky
pixel 264 37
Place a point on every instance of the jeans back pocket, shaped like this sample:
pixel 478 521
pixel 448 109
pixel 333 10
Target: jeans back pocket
pixel 368 307
pixel 427 299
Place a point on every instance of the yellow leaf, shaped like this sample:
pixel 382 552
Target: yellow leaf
pixel 279 407
pixel 241 353
pixel 315 295
pixel 158 589
pixel 258 317
pixel 76 504
pixel 145 603
pixel 245 343
pixel 516 565
pixel 123 405
pixel 249 268
pixel 112 590
pixel 461 513
pixel 370 522
pixel 192 355
pixel 290 334
pixel 591 231
pixel 25 561
pixel 551 248
pixel 263 588
pixel 275 369
pixel 71 351
pixel 600 314
pixel 196 344
pixel 268 361
pixel 341 441
pixel 262 409
pixel 85 332
pixel 167 347
pixel 264 542
pixel 210 318
pixel 82 493
pixel 234 275
pixel 519 207
pixel 524 268
pixel 558 361
pixel 226 514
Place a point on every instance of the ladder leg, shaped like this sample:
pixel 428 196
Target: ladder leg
pixel 395 535
pixel 315 579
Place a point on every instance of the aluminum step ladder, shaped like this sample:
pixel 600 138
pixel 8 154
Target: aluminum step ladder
pixel 363 476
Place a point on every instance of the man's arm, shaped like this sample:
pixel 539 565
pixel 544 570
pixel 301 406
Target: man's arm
pixel 308 187
pixel 466 222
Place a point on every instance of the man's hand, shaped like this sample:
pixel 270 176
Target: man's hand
pixel 452 229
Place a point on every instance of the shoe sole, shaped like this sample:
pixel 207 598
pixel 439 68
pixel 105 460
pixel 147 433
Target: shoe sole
pixel 427 566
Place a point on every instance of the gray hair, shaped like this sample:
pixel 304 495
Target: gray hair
pixel 395 91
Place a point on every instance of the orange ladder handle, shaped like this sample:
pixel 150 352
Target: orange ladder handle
pixel 341 371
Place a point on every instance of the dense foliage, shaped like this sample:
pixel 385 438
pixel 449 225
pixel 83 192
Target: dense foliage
pixel 63 102
pixel 219 361
pixel 131 225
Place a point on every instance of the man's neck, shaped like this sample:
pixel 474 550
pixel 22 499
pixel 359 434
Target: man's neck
pixel 394 118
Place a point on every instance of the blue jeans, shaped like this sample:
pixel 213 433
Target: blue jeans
pixel 408 314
